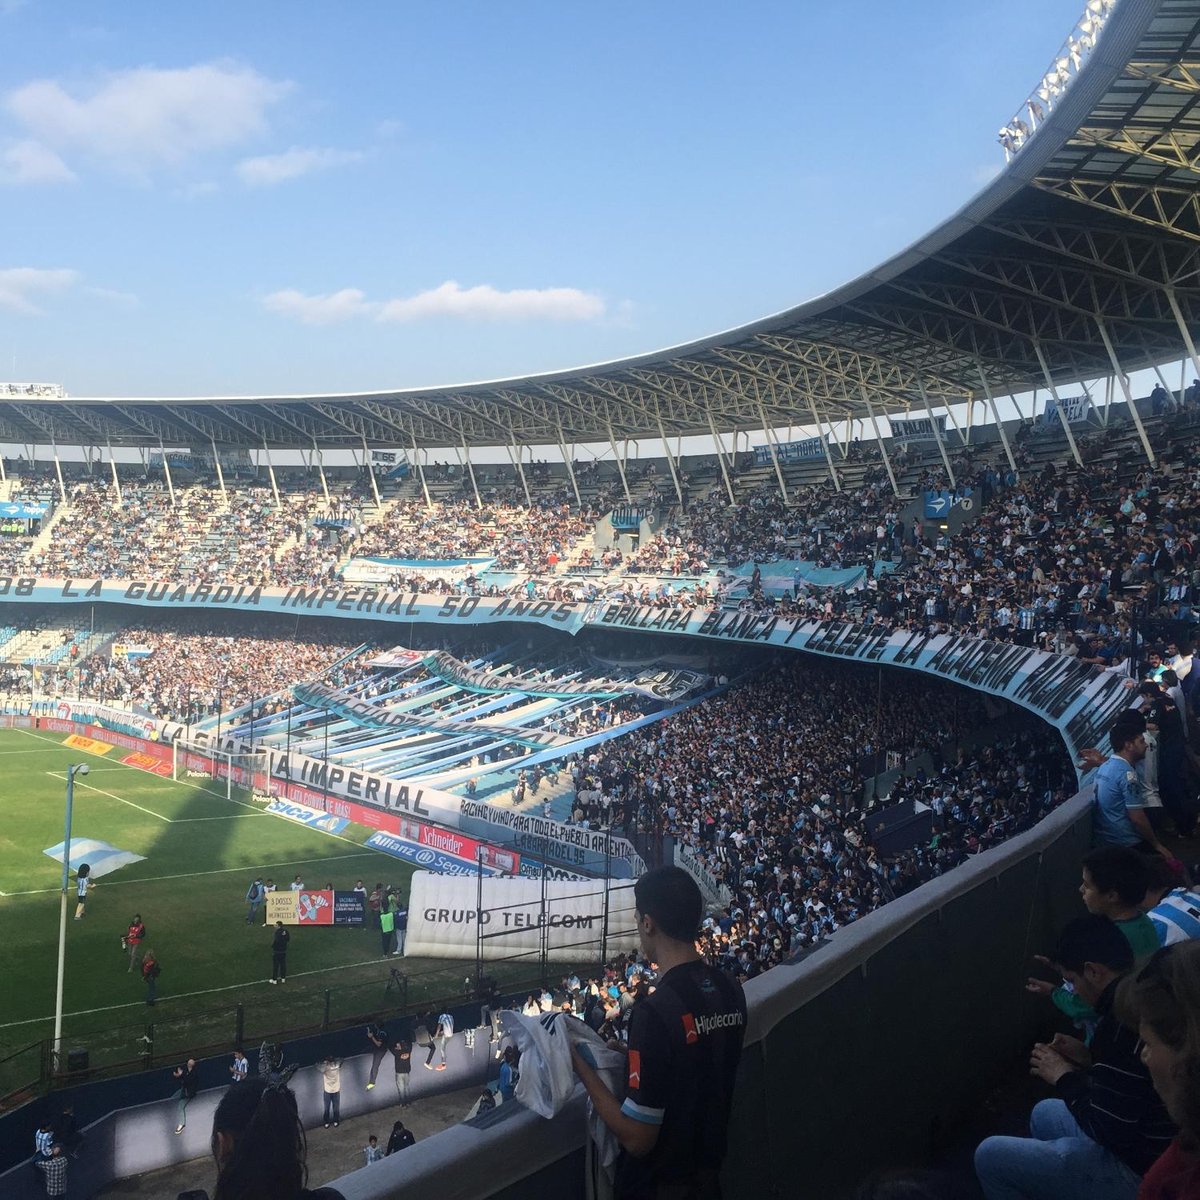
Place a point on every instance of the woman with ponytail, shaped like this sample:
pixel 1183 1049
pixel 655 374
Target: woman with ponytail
pixel 259 1144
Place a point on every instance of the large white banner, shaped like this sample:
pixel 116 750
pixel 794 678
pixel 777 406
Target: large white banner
pixel 454 917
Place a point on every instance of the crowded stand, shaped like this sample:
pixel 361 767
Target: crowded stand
pixel 765 784
pixel 198 667
pixel 1049 552
pixel 519 538
pixel 769 785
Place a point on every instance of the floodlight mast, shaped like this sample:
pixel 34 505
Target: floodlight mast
pixel 73 769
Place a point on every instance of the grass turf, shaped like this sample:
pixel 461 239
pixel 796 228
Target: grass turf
pixel 201 852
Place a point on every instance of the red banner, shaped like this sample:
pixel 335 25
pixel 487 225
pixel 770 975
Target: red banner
pixel 147 762
pixel 456 845
pixel 314 908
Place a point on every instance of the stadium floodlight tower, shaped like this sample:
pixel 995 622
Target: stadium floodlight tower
pixel 72 770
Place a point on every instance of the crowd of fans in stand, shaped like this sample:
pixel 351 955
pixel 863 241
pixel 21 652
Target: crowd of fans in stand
pixel 1091 549
pixel 518 537
pixel 764 784
pixel 188 671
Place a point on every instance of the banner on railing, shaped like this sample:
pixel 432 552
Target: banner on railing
pixel 371 603
pixel 375 716
pixel 917 429
pixel 1077 409
pixel 569 845
pixel 454 917
pixel 1078 699
pixel 813 447
pixel 711 888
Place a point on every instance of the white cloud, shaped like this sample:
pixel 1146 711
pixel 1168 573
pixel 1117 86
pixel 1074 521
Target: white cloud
pixel 21 286
pixel 480 303
pixel 29 162
pixel 486 303
pixel 147 118
pixel 114 296
pixel 291 164
pixel 319 310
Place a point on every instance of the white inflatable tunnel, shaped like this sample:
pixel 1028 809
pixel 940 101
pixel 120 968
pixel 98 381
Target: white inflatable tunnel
pixel 453 916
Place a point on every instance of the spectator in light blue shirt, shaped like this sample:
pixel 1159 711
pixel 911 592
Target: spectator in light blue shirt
pixel 1119 809
pixel 1173 911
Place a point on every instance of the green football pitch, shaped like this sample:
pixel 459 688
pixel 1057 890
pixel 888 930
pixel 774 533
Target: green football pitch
pixel 200 852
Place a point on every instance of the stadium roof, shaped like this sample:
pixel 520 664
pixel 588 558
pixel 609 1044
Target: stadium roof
pixel 1084 250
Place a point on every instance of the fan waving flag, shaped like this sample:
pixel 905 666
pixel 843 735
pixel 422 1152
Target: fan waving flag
pixel 100 856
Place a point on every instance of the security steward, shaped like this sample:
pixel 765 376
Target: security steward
pixel 685 1040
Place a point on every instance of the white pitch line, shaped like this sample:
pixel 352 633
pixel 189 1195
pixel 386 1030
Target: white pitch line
pixel 87 1012
pixel 231 817
pixel 113 796
pixel 296 862
pixel 6 753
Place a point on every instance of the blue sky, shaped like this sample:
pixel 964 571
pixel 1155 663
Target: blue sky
pixel 280 198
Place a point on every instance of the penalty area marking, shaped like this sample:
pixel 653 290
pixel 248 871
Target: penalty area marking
pixel 112 796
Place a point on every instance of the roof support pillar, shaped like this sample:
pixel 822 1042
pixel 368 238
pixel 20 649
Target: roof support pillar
pixel 1166 386
pixel 421 472
pixel 570 466
pixel 1062 416
pixel 987 391
pixel 837 483
pixel 369 467
pixel 1110 386
pixel 662 433
pixel 1123 380
pixel 721 458
pixel 1184 332
pixel 954 422
pixel 112 462
pixel 937 434
pixel 166 471
pixel 620 465
pixel 319 459
pixel 970 414
pixel 887 458
pixel 62 491
pixel 762 412
pixel 271 472
pixel 3 473
pixel 466 458
pixel 514 457
pixel 217 464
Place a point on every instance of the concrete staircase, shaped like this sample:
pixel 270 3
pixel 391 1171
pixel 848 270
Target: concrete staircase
pixel 45 537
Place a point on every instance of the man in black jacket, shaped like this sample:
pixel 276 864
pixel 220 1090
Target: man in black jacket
pixel 1107 1125
pixel 279 948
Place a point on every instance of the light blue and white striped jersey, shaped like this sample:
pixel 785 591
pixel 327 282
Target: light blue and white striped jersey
pixel 1177 917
